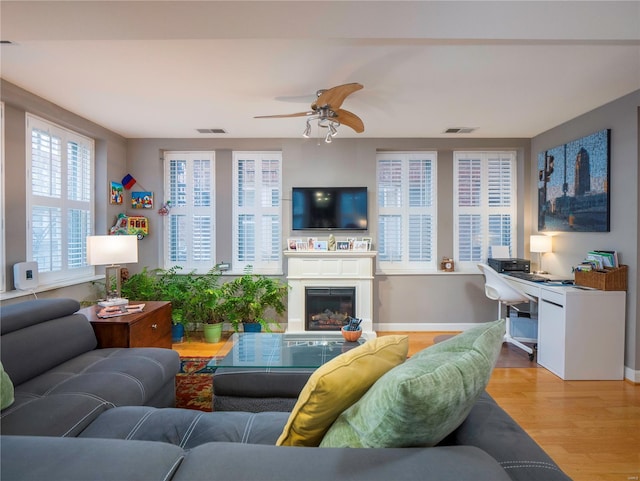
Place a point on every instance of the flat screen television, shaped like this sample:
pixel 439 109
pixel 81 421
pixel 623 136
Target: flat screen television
pixel 329 208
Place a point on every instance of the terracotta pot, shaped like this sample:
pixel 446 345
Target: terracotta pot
pixel 351 336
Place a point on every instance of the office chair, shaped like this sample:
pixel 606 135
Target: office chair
pixel 499 289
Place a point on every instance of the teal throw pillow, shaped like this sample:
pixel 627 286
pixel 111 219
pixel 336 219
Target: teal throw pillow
pixel 6 389
pixel 421 401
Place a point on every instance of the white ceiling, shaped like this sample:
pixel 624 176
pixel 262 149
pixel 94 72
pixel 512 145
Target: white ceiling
pixel 155 69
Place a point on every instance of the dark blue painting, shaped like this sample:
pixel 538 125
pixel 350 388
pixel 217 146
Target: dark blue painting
pixel 573 185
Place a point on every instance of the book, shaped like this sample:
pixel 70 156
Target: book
pixel 116 311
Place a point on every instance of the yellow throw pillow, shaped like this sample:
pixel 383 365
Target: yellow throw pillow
pixel 336 385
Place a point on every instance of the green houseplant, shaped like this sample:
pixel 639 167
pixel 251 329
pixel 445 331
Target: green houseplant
pixel 248 298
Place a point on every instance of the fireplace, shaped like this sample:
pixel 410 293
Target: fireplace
pixel 334 270
pixel 328 308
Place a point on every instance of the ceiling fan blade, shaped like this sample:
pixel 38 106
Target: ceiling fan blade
pixel 334 96
pixel 297 114
pixel 350 120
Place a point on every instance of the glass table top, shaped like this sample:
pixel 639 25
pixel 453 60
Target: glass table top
pixel 282 350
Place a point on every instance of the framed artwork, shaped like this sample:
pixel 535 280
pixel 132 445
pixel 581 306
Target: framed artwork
pixel 320 245
pixel 142 200
pixel 342 245
pixel 116 193
pixel 360 246
pixel 369 241
pixel 573 185
pixel 292 243
pixel 302 246
pixel 311 242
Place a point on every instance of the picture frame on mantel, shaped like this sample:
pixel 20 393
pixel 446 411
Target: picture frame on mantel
pixel 573 185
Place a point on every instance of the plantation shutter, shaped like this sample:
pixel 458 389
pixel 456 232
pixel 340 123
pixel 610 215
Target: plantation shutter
pixel 406 211
pixel 484 209
pixel 190 224
pixel 60 204
pixel 257 211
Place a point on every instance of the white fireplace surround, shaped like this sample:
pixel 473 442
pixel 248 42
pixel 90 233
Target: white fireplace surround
pixel 330 269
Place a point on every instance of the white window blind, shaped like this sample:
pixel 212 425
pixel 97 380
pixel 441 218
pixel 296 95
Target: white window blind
pixel 60 166
pixel 484 204
pixel 257 211
pixel 406 211
pixel 190 226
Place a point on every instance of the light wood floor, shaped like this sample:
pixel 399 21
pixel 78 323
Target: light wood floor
pixel 590 428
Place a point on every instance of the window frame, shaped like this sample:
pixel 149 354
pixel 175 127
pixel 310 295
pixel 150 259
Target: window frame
pixel 189 265
pixel 67 136
pixel 266 267
pixel 405 265
pixel 484 209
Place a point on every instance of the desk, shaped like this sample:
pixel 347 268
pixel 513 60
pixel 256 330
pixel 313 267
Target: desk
pixel 580 330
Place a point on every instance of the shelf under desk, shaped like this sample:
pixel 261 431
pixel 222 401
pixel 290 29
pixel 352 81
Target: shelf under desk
pixel 580 331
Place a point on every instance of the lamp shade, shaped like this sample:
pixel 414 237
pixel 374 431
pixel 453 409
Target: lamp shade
pixel 112 249
pixel 540 243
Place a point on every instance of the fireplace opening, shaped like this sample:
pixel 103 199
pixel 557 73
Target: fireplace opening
pixel 329 308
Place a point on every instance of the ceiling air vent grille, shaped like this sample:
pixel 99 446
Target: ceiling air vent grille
pixel 459 130
pixel 211 131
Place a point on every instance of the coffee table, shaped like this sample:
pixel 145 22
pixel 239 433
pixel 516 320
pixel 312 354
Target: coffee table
pixel 266 371
pixel 281 350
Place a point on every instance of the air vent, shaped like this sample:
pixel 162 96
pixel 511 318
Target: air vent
pixel 212 131
pixel 459 130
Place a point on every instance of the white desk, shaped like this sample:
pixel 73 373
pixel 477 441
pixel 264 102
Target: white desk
pixel 580 330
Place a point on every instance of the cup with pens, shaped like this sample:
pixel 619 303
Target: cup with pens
pixel 352 330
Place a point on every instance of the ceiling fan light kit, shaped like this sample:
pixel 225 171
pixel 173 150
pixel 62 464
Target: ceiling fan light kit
pixel 327 112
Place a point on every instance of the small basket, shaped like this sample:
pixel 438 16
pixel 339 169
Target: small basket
pixel 609 279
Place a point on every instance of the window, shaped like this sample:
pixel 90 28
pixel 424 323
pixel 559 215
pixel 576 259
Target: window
pixel 484 204
pixel 60 167
pixel 189 228
pixel 407 212
pixel 257 211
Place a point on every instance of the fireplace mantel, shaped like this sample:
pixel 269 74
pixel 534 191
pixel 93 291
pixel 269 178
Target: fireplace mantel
pixel 330 269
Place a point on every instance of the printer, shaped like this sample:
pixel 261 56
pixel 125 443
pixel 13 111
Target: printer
pixel 509 265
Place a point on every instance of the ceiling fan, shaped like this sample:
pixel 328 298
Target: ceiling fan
pixel 326 110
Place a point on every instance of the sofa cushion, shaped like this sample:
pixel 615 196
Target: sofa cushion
pixel 6 389
pixel 120 376
pixel 187 428
pixel 421 401
pixel 226 461
pixel 29 313
pixel 42 457
pixel 28 352
pixel 55 415
pixel 337 384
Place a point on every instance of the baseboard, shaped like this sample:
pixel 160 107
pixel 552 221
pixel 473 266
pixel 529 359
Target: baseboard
pixel 423 327
pixel 632 375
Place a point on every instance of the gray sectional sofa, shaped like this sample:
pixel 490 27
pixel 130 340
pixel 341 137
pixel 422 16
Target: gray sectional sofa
pixel 83 413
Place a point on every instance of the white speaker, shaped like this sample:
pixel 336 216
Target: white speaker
pixel 25 275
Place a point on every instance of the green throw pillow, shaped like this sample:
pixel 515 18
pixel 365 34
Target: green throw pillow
pixel 6 389
pixel 421 401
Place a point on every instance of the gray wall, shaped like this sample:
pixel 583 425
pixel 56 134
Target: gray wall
pixel 400 302
pixel 569 248
pixel 110 165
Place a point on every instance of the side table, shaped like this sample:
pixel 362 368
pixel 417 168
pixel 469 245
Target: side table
pixel 149 328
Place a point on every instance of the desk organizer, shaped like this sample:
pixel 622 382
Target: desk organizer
pixel 611 279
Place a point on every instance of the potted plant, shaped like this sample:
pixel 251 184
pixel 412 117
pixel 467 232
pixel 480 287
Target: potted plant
pixel 250 296
pixel 217 313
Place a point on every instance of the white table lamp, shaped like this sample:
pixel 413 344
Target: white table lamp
pixel 110 251
pixel 540 244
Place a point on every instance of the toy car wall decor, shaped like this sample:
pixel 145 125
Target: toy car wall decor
pixel 131 225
